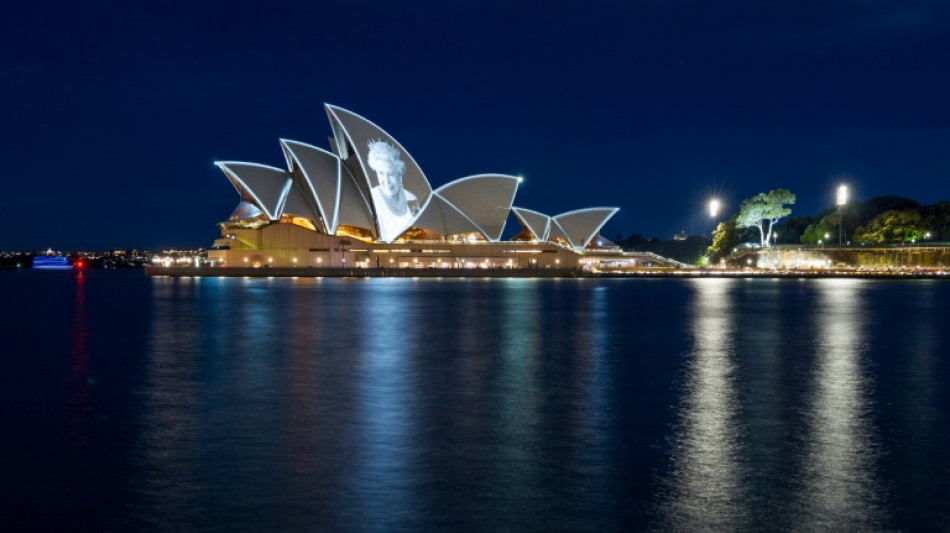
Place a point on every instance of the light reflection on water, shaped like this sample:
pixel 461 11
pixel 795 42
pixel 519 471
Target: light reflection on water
pixel 517 423
pixel 739 461
pixel 80 382
pixel 382 478
pixel 838 485
pixel 705 487
pixel 394 404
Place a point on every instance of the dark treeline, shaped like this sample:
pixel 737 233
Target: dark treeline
pixel 880 220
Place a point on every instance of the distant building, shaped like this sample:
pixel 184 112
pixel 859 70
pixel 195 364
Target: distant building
pixel 366 203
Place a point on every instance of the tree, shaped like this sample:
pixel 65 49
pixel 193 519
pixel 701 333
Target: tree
pixel 891 227
pixel 763 210
pixel 725 238
pixel 792 230
pixel 633 242
pixel 936 220
pixel 879 204
pixel 815 233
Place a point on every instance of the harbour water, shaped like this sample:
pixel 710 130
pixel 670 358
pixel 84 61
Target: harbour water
pixel 211 404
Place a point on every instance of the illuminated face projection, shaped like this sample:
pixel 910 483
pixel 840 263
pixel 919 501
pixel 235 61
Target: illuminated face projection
pixel 396 207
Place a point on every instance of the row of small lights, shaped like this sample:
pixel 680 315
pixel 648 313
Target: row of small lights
pixel 445 264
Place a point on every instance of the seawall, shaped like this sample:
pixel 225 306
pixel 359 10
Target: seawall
pixel 314 272
pixel 746 273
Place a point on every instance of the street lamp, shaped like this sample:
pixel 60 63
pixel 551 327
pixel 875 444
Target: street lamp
pixel 842 199
pixel 713 211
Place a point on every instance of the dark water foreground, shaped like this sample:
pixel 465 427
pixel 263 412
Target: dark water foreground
pixel 222 404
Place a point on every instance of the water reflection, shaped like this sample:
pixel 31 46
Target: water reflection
pixel 520 351
pixel 79 382
pixel 168 456
pixel 838 486
pixel 517 424
pixel 383 480
pixel 706 487
pixel 593 344
pixel 506 404
pixel 922 421
pixel 590 406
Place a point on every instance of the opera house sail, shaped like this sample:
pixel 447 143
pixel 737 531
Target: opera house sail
pixel 366 203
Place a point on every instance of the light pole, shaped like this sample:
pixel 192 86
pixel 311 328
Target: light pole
pixel 713 211
pixel 714 205
pixel 842 199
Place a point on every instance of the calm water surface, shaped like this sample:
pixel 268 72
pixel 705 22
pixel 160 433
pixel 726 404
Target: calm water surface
pixel 137 404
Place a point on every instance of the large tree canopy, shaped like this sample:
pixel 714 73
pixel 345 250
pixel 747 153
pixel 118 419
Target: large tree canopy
pixel 725 238
pixel 936 220
pixel 822 231
pixel 896 226
pixel 763 210
pixel 792 230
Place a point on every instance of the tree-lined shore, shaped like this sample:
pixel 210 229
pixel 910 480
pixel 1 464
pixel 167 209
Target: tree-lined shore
pixel 765 220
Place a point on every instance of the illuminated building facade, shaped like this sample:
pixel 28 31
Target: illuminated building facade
pixel 366 203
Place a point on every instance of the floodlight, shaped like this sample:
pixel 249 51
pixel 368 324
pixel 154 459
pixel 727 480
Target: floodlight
pixel 842 194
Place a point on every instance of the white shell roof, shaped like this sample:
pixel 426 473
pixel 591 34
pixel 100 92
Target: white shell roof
pixel 261 185
pixel 334 190
pixel 537 223
pixel 442 217
pixel 298 203
pixel 555 232
pixel 353 133
pixel 582 225
pixel 353 206
pixel 317 173
pixel 484 199
pixel 244 211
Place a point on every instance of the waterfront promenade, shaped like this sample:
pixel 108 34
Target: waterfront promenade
pixel 308 272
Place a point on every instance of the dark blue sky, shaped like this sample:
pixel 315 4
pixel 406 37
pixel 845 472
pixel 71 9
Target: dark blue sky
pixel 113 112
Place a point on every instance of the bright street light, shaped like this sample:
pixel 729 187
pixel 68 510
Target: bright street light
pixel 713 208
pixel 842 199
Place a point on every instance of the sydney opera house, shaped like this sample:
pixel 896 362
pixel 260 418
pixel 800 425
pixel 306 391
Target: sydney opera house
pixel 366 203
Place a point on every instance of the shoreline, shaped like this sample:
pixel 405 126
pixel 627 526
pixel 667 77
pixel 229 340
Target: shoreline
pixel 314 272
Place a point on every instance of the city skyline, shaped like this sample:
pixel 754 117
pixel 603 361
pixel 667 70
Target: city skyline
pixel 118 112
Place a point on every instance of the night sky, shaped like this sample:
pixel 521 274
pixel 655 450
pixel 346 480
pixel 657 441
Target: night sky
pixel 113 112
